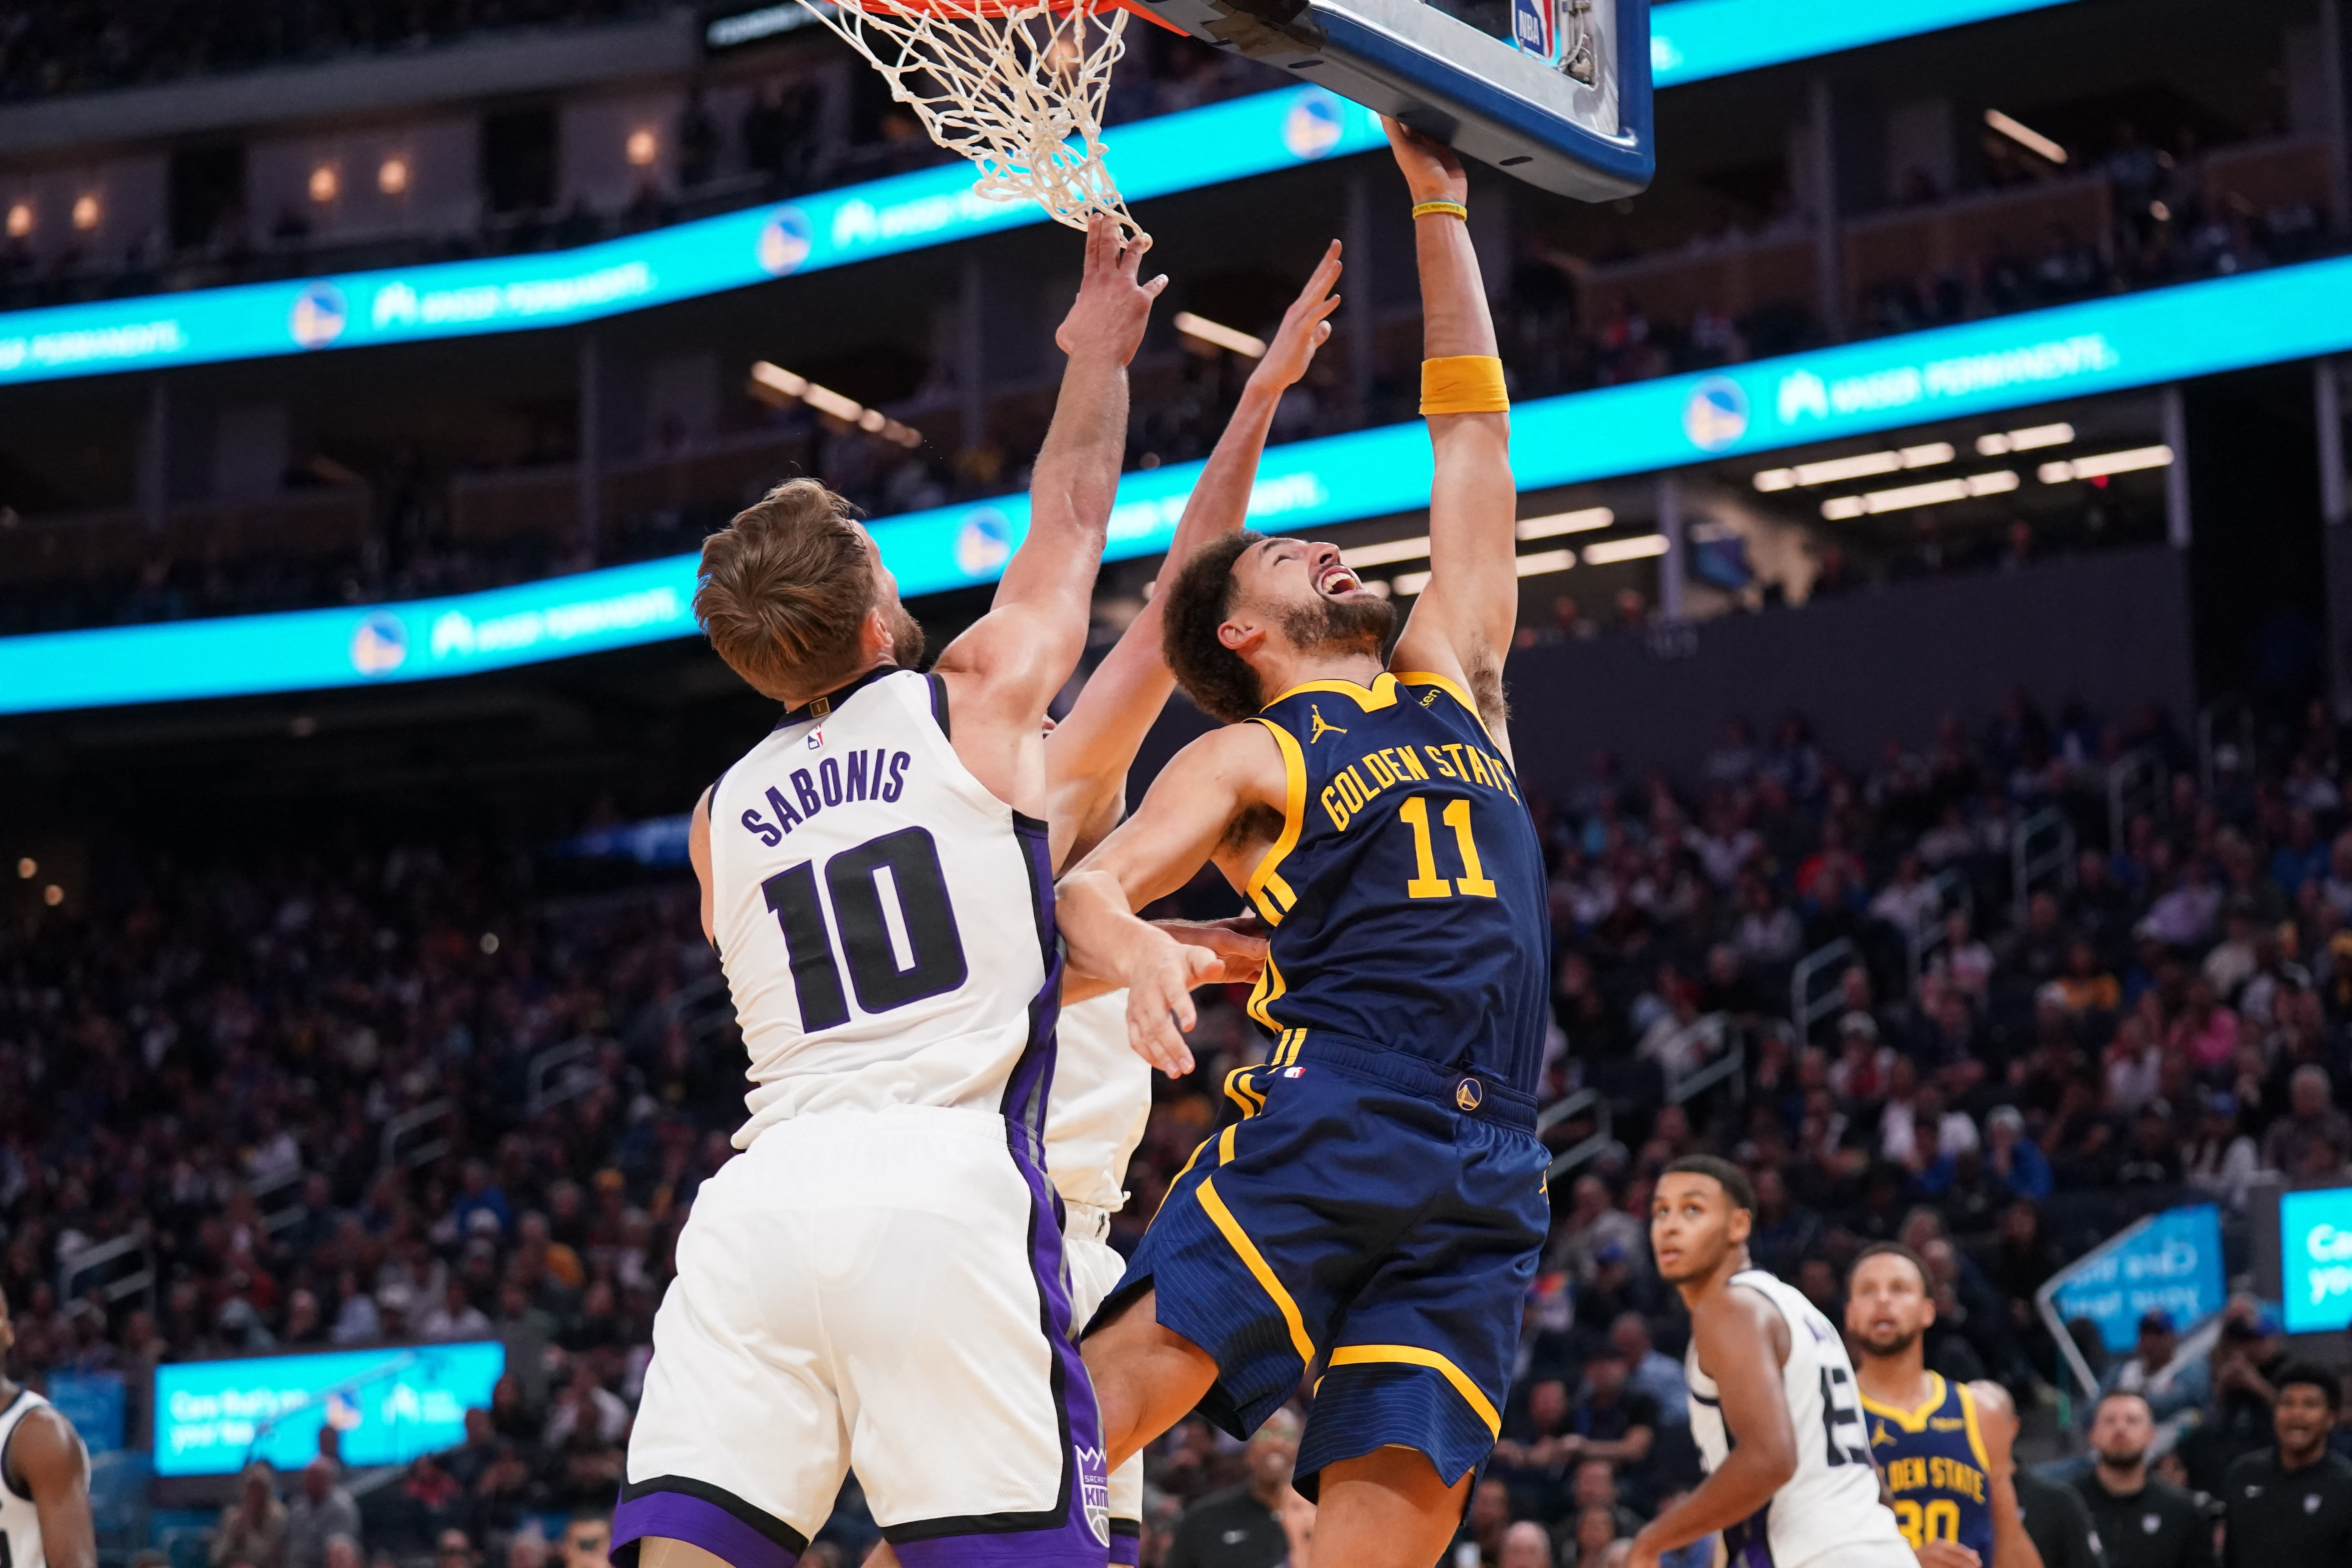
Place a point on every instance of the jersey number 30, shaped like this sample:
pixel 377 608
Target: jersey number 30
pixel 900 945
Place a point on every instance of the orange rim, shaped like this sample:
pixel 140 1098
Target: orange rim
pixel 1000 8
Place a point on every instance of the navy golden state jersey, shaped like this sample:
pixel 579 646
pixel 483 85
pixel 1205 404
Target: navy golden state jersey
pixel 1406 892
pixel 1935 1464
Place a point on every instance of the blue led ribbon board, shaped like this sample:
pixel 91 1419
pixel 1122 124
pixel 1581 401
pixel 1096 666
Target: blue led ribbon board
pixel 1559 96
pixel 1857 389
pixel 1690 40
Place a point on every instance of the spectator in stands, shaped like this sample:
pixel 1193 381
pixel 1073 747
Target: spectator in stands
pixel 2220 1160
pixel 2292 1502
pixel 1485 1523
pixel 1650 1372
pixel 322 1510
pixel 252 1529
pixel 1595 1487
pixel 1526 1544
pixel 2165 1388
pixel 455 1316
pixel 1241 1528
pixel 1616 1422
pixel 2312 1127
pixel 2141 1522
pixel 588 1541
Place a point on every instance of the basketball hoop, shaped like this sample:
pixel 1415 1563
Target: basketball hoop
pixel 1016 86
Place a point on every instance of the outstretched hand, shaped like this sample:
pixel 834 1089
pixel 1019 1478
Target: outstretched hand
pixel 1160 1008
pixel 1306 327
pixel 1238 945
pixel 1432 171
pixel 1112 308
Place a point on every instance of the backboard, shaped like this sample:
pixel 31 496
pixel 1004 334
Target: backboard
pixel 1554 91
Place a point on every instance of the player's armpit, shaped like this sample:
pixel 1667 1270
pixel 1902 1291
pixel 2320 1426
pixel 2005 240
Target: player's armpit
pixel 698 852
pixel 49 1462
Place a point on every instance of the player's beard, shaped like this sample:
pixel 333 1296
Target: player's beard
pixel 1899 1345
pixel 2123 1461
pixel 1339 625
pixel 906 637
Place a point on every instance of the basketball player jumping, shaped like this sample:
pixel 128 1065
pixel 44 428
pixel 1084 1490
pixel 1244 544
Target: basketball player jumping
pixel 1772 1400
pixel 1947 1466
pixel 878 1280
pixel 45 1519
pixel 1374 1204
pixel 1102 1089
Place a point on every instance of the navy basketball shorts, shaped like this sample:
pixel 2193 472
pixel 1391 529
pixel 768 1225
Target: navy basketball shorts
pixel 1368 1217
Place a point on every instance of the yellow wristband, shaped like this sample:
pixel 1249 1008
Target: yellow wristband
pixel 1447 209
pixel 1464 383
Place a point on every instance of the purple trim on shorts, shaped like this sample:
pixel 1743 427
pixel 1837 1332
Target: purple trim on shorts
pixel 1126 1542
pixel 1059 1536
pixel 1748 1544
pixel 697 1523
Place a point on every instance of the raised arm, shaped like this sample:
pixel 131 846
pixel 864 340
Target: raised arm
pixel 1002 672
pixel 1461 627
pixel 1226 778
pixel 1087 758
pixel 1742 1344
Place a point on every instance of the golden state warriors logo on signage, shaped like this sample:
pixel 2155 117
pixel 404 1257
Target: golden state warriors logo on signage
pixel 379 644
pixel 1312 127
pixel 1717 414
pixel 984 544
pixel 319 316
pixel 785 240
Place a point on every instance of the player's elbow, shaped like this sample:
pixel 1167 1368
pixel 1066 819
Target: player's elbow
pixel 1774 1459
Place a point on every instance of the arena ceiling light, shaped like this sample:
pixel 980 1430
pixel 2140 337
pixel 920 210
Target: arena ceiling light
pixel 1610 552
pixel 775 385
pixel 1936 492
pixel 1388 551
pixel 2100 465
pixel 1534 563
pixel 1861 466
pixel 1223 336
pixel 1559 522
pixel 2025 136
pixel 2001 442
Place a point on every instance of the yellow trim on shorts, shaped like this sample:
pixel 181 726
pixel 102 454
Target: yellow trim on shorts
pixel 1214 1206
pixel 1413 1356
pixel 1267 889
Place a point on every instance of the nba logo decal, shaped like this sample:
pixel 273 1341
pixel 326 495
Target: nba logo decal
pixel 380 645
pixel 1312 127
pixel 1468 1094
pixel 319 316
pixel 1294 1072
pixel 985 544
pixel 1531 28
pixel 785 240
pixel 1717 414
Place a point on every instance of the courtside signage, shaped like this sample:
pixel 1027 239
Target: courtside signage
pixel 2011 361
pixel 387 1405
pixel 2316 1260
pixel 1691 40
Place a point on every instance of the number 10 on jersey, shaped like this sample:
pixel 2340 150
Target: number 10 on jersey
pixel 899 936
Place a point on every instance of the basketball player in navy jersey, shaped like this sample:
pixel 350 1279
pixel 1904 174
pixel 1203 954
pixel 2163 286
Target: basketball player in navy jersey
pixel 1948 1468
pixel 1373 1205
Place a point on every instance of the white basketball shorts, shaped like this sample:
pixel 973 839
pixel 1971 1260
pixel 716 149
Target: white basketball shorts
pixel 1095 1269
pixel 877 1290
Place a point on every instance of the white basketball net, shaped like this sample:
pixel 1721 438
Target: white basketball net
pixel 1016 86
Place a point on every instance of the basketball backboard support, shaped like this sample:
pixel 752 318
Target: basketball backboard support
pixel 1554 91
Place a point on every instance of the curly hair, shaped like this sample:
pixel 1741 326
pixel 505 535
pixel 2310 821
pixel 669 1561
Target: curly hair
pixel 1213 675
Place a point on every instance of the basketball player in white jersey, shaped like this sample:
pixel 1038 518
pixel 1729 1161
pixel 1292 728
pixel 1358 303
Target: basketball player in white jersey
pixel 44 1478
pixel 1774 1404
pixel 1102 1089
pixel 878 1281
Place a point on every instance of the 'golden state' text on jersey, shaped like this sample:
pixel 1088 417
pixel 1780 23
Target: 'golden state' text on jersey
pixel 1406 891
pixel 1935 1465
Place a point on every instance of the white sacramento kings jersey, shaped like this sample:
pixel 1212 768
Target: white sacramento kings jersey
pixel 1102 1098
pixel 885 922
pixel 1832 1502
pixel 20 1521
